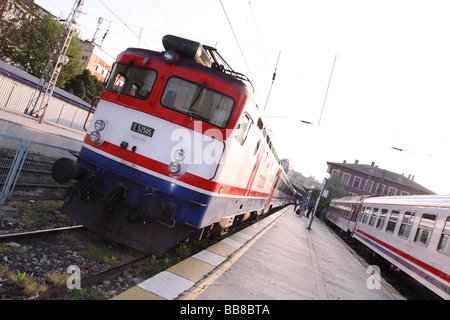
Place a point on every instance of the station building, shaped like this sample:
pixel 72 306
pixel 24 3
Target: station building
pixel 365 179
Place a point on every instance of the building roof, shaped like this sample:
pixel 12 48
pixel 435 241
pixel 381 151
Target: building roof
pixel 17 74
pixel 374 171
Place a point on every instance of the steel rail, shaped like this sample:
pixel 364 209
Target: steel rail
pixel 39 234
pixel 91 280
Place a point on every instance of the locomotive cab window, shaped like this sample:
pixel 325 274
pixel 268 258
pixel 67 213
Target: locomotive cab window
pixel 425 229
pixel 131 80
pixel 198 101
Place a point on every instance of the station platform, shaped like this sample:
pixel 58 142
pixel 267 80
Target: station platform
pixel 25 127
pixel 276 258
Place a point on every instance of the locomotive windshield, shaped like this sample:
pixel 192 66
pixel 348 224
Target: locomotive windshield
pixel 131 80
pixel 197 101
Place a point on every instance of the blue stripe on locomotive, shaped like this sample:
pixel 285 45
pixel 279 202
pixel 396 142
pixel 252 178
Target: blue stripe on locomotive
pixel 191 207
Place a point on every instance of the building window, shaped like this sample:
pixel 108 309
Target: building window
pixel 346 178
pixel 368 186
pixel 357 182
pixel 392 191
pixel 404 193
pixel 380 189
pixel 335 173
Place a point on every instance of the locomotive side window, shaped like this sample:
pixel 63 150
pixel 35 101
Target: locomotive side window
pixel 382 219
pixel 131 80
pixel 197 101
pixel 425 229
pixel 444 242
pixel 392 221
pixel 405 227
pixel 244 129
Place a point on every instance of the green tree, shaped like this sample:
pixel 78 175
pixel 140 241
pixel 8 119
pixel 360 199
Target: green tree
pixel 336 189
pixel 28 45
pixel 85 86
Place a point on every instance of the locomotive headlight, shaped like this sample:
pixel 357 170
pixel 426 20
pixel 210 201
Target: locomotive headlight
pixel 179 155
pixel 95 137
pixel 175 168
pixel 99 125
pixel 170 56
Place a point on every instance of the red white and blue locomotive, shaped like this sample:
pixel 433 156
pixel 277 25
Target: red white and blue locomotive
pixel 176 146
pixel 411 232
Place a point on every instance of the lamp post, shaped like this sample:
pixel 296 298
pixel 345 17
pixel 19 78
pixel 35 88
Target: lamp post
pixel 327 176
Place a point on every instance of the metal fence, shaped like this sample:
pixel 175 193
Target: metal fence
pixel 26 169
pixel 18 93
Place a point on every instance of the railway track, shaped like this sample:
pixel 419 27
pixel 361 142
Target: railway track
pixel 130 266
pixel 37 235
pixel 98 278
pixel 41 245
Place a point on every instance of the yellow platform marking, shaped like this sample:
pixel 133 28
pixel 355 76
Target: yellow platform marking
pixel 137 293
pixel 239 239
pixel 192 269
pixel 195 270
pixel 222 249
pixel 225 266
pixel 250 231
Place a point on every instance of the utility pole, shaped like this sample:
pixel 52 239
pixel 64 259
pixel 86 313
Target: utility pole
pixel 327 176
pixel 56 61
pixel 100 21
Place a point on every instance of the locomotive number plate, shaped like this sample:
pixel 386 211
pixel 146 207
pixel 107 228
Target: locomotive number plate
pixel 140 128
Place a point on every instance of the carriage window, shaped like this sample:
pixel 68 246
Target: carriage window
pixel 197 101
pixel 373 217
pixel 405 227
pixel 444 243
pixel 131 80
pixel 366 215
pixel 361 214
pixel 382 219
pixel 425 229
pixel 392 221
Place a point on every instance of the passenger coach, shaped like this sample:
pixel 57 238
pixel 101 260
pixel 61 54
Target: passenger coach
pixel 411 232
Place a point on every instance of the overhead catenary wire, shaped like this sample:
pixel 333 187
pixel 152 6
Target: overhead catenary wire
pixel 239 46
pixel 328 88
pixel 273 80
pixel 257 31
pixel 131 30
pixel 167 18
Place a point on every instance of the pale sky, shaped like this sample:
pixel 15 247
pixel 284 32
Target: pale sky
pixel 390 85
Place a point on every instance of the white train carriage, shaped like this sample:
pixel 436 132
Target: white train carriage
pixel 411 232
pixel 344 211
